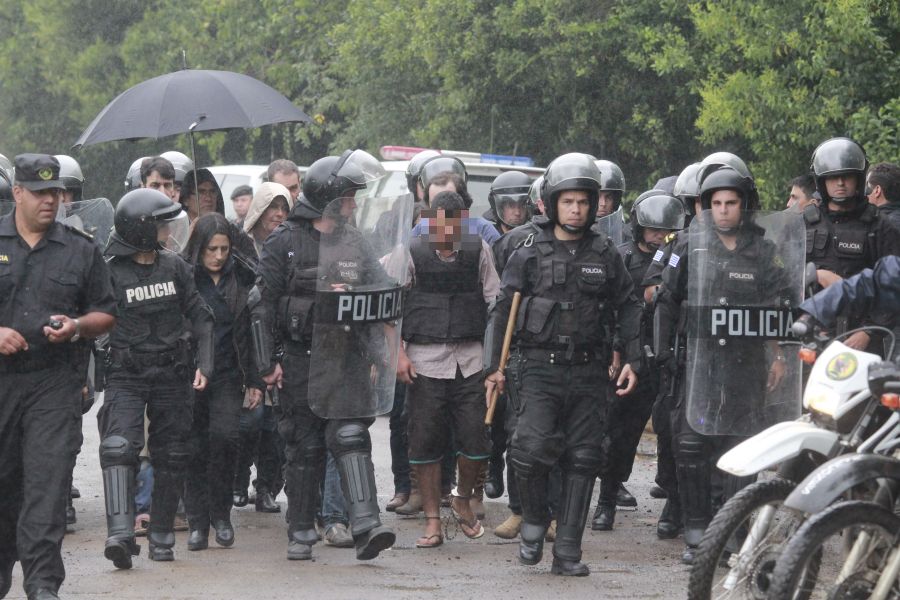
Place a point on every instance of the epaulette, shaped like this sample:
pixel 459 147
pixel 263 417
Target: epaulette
pixel 671 236
pixel 83 234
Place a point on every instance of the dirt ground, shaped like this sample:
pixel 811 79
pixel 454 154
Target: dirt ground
pixel 629 562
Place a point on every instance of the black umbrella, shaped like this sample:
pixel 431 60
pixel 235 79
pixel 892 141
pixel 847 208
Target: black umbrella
pixel 188 101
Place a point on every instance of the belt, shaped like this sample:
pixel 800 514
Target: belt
pixel 559 357
pixel 131 358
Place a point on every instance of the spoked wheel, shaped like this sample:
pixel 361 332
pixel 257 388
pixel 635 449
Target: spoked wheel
pixel 729 565
pixel 838 554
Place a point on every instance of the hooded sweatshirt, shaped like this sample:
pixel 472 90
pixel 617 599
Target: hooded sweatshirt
pixel 265 194
pixel 243 246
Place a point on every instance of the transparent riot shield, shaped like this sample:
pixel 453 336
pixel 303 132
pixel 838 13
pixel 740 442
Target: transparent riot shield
pixel 358 309
pixel 740 377
pixel 94 217
pixel 613 225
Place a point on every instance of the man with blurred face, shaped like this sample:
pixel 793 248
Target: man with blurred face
pixel 286 173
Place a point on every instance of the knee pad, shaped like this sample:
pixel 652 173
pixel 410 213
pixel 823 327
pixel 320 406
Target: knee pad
pixel 690 446
pixel 115 450
pixel 173 456
pixel 526 465
pixel 348 436
pixel 584 461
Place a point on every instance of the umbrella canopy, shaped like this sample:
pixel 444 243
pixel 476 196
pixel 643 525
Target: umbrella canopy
pixel 187 101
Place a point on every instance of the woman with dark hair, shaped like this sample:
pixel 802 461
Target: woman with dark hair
pixel 224 280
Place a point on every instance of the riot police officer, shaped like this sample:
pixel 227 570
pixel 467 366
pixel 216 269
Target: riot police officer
pixel 72 177
pixel 182 165
pixel 569 276
pixel 743 268
pixel 612 187
pixel 149 367
pixel 54 291
pixel 6 177
pixel 133 176
pixel 653 216
pixel 845 234
pixel 509 200
pixel 285 309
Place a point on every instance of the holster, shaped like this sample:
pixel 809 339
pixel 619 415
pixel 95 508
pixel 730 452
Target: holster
pixel 101 364
pixel 513 376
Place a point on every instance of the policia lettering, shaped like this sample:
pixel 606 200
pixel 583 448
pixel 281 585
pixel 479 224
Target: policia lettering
pixel 733 321
pixel 150 292
pixel 361 307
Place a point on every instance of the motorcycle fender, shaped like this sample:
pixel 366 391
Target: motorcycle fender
pixel 828 483
pixel 775 445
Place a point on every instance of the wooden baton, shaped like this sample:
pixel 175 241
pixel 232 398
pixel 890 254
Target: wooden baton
pixel 504 353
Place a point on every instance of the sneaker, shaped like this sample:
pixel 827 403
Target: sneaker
pixel 338 536
pixel 550 536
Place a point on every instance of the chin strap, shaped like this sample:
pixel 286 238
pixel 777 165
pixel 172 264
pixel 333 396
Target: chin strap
pixel 571 229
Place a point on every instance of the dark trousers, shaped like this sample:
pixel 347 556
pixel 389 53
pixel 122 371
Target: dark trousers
pixel 625 423
pixel 167 397
pixel 400 441
pixel 260 443
pixel 214 441
pixel 40 434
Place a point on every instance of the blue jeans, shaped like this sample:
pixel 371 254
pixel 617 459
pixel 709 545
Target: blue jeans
pixel 334 508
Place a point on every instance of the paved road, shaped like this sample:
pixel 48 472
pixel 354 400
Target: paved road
pixel 629 562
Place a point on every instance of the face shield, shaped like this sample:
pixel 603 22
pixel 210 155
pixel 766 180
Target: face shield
pixel 173 230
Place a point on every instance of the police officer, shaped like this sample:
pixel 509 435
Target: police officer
pixel 6 177
pixel 72 177
pixel 133 176
pixel 509 200
pixel 149 367
pixel 54 293
pixel 612 187
pixel 845 234
pixel 569 276
pixel 654 215
pixel 287 284
pixel 182 165
pixel 737 246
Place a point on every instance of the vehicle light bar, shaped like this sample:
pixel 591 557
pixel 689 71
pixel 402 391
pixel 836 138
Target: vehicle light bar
pixel 407 152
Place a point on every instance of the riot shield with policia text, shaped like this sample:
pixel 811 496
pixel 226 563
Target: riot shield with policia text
pixel 741 293
pixel 359 302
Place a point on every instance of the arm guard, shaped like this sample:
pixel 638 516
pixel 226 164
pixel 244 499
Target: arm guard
pixel 260 333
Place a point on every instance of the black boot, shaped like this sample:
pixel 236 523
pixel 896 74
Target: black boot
pixel 658 492
pixel 605 515
pixel 531 543
pixel 575 502
pixel 300 543
pixel 224 532
pixel 168 482
pixel 533 484
pixel 116 457
pixel 493 485
pixel 265 502
pixel 625 498
pixel 161 543
pixel 669 525
pixel 358 484
pixel 198 540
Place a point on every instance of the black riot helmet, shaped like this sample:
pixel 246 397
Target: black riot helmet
pixel 334 177
pixel 840 156
pixel 534 195
pixel 181 162
pixel 139 216
pixel 573 171
pixel 414 168
pixel 5 187
pixel 439 165
pixel 656 209
pixel 724 177
pixel 71 176
pixel 510 187
pixel 133 177
pixel 717 159
pixel 687 187
pixel 611 180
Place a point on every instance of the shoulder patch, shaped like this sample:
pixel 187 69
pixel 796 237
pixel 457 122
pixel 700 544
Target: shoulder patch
pixel 658 256
pixel 673 260
pixel 670 237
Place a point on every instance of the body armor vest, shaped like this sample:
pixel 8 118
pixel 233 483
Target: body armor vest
pixel 149 298
pixel 446 304
pixel 843 244
pixel 565 306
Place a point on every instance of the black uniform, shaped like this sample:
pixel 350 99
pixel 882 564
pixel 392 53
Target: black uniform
pixel 40 401
pixel 150 366
pixel 561 379
pixel 287 281
pixel 695 454
pixel 628 416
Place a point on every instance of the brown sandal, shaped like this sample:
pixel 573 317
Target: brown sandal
pixel 475 526
pixel 425 540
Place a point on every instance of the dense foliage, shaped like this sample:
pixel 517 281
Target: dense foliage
pixel 650 84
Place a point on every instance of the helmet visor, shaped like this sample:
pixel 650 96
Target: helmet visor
pixel 361 168
pixel 660 212
pixel 441 164
pixel 173 232
pixel 572 171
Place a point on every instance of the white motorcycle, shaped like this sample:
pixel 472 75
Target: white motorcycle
pixel 737 554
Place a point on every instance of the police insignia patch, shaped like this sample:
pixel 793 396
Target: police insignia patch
pixel 670 237
pixel 45 174
pixel 778 261
pixel 658 256
pixel 673 260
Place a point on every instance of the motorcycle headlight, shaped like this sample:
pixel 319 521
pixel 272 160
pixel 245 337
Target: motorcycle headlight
pixel 822 400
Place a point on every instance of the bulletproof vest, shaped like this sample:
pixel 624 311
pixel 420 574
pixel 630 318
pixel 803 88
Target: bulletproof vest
pixel 636 261
pixel 446 304
pixel 565 308
pixel 149 299
pixel 843 244
pixel 736 277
